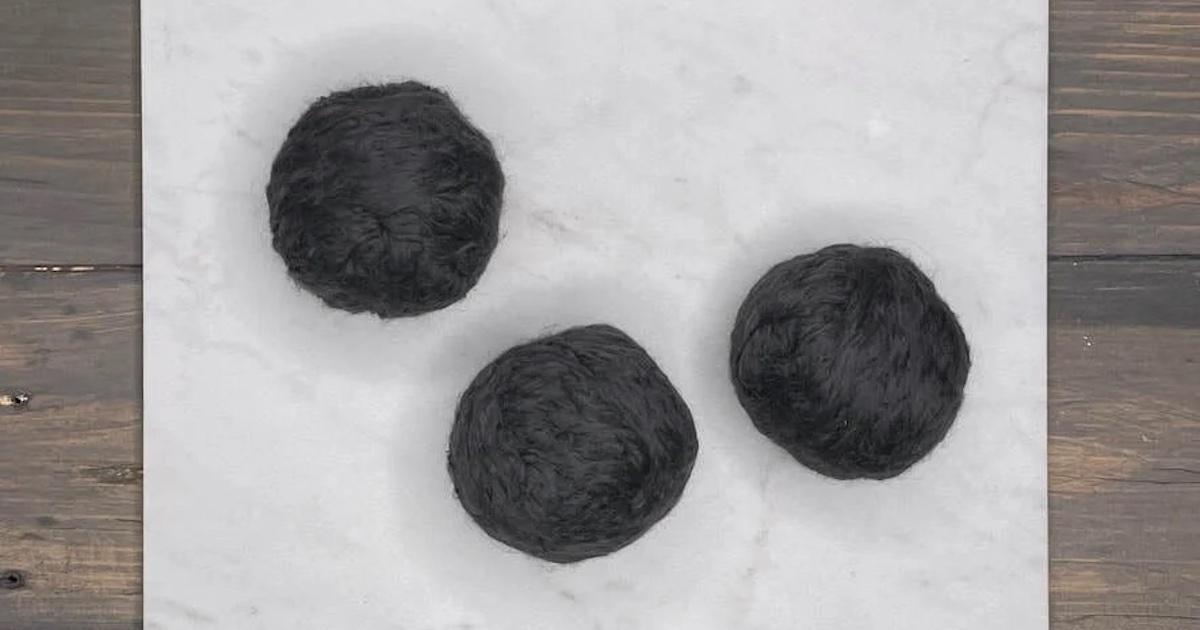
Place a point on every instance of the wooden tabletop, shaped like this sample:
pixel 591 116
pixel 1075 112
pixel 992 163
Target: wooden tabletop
pixel 1124 337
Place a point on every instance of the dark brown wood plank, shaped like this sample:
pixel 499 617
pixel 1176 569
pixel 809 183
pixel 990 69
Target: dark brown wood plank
pixel 70 472
pixel 1124 127
pixel 69 132
pixel 1125 444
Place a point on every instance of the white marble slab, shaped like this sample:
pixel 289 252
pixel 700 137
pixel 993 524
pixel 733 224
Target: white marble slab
pixel 661 155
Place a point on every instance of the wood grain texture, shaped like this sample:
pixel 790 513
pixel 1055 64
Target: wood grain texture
pixel 69 132
pixel 70 491
pixel 1124 126
pixel 1125 444
pixel 1124 332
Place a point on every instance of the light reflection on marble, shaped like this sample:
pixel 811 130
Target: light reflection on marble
pixel 660 157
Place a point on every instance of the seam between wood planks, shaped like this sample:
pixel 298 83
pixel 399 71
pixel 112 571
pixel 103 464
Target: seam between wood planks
pixel 70 268
pixel 110 267
pixel 1122 257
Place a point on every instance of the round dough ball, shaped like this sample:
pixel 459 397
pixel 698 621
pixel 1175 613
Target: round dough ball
pixel 850 360
pixel 386 199
pixel 571 446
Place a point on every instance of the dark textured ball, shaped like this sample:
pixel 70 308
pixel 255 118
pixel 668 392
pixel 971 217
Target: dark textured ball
pixel 571 446
pixel 850 360
pixel 386 199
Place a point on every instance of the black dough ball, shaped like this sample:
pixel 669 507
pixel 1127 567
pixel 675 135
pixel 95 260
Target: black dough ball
pixel 571 446
pixel 850 360
pixel 386 199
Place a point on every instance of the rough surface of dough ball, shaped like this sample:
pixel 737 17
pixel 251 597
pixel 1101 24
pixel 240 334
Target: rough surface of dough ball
pixel 385 199
pixel 571 446
pixel 850 360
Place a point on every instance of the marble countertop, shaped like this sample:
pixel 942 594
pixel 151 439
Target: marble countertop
pixel 660 157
